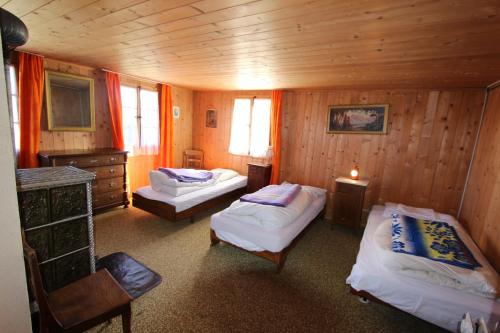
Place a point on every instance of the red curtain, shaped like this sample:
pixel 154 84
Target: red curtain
pixel 115 109
pixel 30 85
pixel 166 149
pixel 276 134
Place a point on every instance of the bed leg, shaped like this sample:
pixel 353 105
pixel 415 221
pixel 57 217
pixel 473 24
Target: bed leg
pixel 191 219
pixel 280 263
pixel 213 238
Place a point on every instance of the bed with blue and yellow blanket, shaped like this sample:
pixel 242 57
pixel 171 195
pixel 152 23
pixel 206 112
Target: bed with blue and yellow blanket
pixel 424 263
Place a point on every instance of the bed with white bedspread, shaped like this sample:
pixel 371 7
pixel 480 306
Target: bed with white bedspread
pixel 267 231
pixel 433 291
pixel 175 201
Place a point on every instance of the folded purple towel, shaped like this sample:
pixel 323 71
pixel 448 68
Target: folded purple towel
pixel 188 175
pixel 274 195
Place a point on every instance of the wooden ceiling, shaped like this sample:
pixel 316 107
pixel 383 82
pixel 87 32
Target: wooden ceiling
pixel 263 44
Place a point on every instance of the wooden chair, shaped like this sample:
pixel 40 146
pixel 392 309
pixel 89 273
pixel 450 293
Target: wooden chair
pixel 193 159
pixel 80 305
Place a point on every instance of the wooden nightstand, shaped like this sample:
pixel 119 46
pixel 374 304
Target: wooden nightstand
pixel 348 202
pixel 259 176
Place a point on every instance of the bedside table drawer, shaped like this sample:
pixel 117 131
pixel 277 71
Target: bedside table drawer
pixel 348 188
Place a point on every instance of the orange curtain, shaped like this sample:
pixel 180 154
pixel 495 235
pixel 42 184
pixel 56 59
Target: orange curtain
pixel 115 109
pixel 276 134
pixel 30 82
pixel 166 149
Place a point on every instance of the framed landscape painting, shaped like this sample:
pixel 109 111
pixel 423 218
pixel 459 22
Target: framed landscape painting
pixel 358 119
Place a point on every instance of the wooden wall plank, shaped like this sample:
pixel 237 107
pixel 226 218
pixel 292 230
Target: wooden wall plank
pixel 481 207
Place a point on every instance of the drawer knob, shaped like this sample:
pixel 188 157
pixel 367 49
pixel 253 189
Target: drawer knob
pixel 112 170
pixel 112 159
pixel 72 162
pixel 94 161
pixel 112 197
pixel 111 184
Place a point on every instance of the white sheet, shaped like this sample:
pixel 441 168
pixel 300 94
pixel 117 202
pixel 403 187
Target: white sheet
pixel 254 238
pixel 440 305
pixel 189 200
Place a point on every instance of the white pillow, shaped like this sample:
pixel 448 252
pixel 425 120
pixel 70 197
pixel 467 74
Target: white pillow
pixel 223 174
pixel 418 213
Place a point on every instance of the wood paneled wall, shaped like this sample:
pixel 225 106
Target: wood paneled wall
pixel 481 209
pixel 101 138
pixel 215 141
pixel 422 161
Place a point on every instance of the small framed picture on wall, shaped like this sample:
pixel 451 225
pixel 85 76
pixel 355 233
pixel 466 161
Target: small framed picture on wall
pixel 176 111
pixel 211 120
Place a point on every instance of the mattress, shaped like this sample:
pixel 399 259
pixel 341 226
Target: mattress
pixel 442 306
pixel 255 238
pixel 192 199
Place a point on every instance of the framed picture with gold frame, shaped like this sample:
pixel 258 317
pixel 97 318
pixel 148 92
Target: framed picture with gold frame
pixel 358 119
pixel 69 102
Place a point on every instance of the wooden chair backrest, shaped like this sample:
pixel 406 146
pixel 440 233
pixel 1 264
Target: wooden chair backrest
pixel 191 155
pixel 36 284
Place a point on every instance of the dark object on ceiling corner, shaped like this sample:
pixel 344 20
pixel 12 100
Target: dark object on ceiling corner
pixel 14 32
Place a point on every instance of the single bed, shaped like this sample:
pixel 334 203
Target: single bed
pixel 271 245
pixel 440 305
pixel 175 208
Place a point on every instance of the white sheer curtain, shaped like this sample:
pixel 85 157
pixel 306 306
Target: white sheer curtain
pixel 250 127
pixel 240 127
pixel 260 127
pixel 150 122
pixel 144 116
pixel 129 118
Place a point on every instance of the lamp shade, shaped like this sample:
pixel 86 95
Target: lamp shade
pixel 355 173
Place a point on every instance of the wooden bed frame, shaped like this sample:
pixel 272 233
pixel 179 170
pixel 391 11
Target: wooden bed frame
pixel 278 258
pixel 168 212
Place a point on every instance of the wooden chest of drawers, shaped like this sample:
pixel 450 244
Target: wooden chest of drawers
pixel 56 218
pixel 348 202
pixel 109 189
pixel 259 176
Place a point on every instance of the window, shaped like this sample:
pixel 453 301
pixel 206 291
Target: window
pixel 14 100
pixel 250 127
pixel 141 120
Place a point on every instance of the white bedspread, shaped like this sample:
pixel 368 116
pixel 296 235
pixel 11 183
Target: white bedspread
pixel 437 304
pixel 266 216
pixel 253 237
pixel 160 182
pixel 189 200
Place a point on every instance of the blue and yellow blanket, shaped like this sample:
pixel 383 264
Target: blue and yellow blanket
pixel 432 240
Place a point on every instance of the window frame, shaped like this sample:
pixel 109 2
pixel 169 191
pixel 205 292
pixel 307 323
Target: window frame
pixel 252 98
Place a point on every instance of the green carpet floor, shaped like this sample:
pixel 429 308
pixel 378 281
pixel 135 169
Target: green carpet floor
pixel 223 289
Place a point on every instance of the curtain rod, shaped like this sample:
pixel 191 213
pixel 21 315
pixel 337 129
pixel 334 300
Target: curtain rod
pixel 135 77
